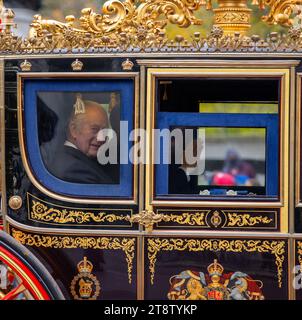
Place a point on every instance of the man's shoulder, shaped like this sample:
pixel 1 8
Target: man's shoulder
pixel 72 165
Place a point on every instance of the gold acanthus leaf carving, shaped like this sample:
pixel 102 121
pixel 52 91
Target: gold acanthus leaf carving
pixel 241 220
pixel 128 21
pixel 274 247
pixel 41 212
pixel 281 11
pixel 127 245
pixel 146 218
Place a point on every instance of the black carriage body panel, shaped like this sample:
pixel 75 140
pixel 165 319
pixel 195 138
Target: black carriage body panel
pixel 129 263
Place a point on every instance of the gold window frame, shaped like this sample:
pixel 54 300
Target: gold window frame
pixel 105 75
pixel 224 72
pixel 298 201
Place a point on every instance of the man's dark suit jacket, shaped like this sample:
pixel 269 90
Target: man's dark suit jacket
pixel 72 165
pixel 178 182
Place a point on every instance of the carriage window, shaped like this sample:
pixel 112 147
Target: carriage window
pixel 235 122
pixel 72 135
pixel 231 161
pixel 70 129
pixel 218 95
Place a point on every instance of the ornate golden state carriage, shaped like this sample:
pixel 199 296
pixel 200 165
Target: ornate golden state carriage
pixel 231 236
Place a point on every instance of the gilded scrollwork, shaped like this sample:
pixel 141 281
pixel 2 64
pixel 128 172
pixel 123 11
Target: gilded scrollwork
pixel 219 218
pixel 41 212
pixel 127 245
pixel 120 23
pixel 299 252
pixel 274 247
pixel 243 220
pixel 186 218
pixel 280 11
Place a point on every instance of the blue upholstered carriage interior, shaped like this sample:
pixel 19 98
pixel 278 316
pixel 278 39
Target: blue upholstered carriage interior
pixel 31 89
pixel 268 121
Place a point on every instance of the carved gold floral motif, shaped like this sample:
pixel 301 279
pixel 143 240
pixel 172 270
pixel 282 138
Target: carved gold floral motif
pixel 127 245
pixel 40 212
pixel 241 220
pixel 274 247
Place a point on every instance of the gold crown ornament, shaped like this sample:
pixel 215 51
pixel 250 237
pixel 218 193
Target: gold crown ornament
pixel 215 269
pixel 25 66
pixel 127 65
pixel 85 266
pixel 85 285
pixel 77 65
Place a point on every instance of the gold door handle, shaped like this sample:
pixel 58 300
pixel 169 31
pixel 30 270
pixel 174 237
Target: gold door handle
pixel 146 218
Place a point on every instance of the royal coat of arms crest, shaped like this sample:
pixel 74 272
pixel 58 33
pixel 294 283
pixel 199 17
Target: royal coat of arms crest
pixel 215 285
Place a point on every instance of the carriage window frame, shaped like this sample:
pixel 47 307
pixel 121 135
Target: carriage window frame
pixel 270 123
pixel 155 74
pixel 298 159
pixel 123 193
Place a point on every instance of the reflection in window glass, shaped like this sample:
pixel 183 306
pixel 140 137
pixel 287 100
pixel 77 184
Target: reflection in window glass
pixel 229 107
pixel 234 164
pixel 70 125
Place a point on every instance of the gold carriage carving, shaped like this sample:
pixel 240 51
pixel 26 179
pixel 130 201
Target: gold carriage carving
pixel 132 25
pixel 148 218
pixel 40 211
pixel 127 245
pixel 274 247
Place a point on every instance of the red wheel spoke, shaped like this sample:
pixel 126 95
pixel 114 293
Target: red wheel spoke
pixel 14 293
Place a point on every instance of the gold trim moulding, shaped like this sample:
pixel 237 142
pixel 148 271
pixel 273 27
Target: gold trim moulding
pixel 27 167
pixel 156 232
pixel 298 201
pixel 140 56
pixel 219 63
pixel 214 204
pixel 86 230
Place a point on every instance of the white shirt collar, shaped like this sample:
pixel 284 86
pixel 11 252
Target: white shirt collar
pixel 69 144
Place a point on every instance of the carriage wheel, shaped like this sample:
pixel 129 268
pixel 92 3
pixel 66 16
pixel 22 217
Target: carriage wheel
pixel 22 276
